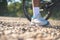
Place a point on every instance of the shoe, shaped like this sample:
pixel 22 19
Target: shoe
pixel 47 1
pixel 39 21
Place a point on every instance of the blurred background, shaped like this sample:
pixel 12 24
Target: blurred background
pixel 13 8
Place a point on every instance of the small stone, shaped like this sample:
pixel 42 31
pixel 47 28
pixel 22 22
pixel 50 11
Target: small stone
pixel 13 31
pixel 0 33
pixel 14 35
pixel 9 26
pixel 20 39
pixel 29 39
pixel 7 32
pixel 23 29
pixel 0 22
pixel 1 25
pixel 1 29
pixel 18 24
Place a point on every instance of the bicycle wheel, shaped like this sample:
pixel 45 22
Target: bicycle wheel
pixel 45 10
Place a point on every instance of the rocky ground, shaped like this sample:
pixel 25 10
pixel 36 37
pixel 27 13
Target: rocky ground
pixel 20 29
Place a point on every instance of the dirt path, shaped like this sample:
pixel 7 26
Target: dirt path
pixel 20 29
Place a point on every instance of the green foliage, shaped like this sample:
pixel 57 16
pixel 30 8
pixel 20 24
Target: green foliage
pixel 15 9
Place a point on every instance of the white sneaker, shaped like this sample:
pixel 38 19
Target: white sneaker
pixel 37 18
pixel 41 22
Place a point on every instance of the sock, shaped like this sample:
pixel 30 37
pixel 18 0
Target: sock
pixel 36 12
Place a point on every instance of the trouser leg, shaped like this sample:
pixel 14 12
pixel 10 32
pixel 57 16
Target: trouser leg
pixel 36 8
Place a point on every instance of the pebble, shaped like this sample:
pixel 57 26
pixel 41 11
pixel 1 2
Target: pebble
pixel 29 39
pixel 29 33
pixel 7 32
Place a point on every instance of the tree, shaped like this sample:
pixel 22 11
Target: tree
pixel 3 7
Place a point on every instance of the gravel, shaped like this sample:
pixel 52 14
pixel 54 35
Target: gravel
pixel 13 28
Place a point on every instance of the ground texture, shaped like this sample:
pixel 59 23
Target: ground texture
pixel 13 28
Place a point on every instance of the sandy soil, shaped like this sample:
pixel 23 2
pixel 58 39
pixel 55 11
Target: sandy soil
pixel 13 28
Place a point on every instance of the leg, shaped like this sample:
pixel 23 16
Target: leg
pixel 36 4
pixel 37 18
